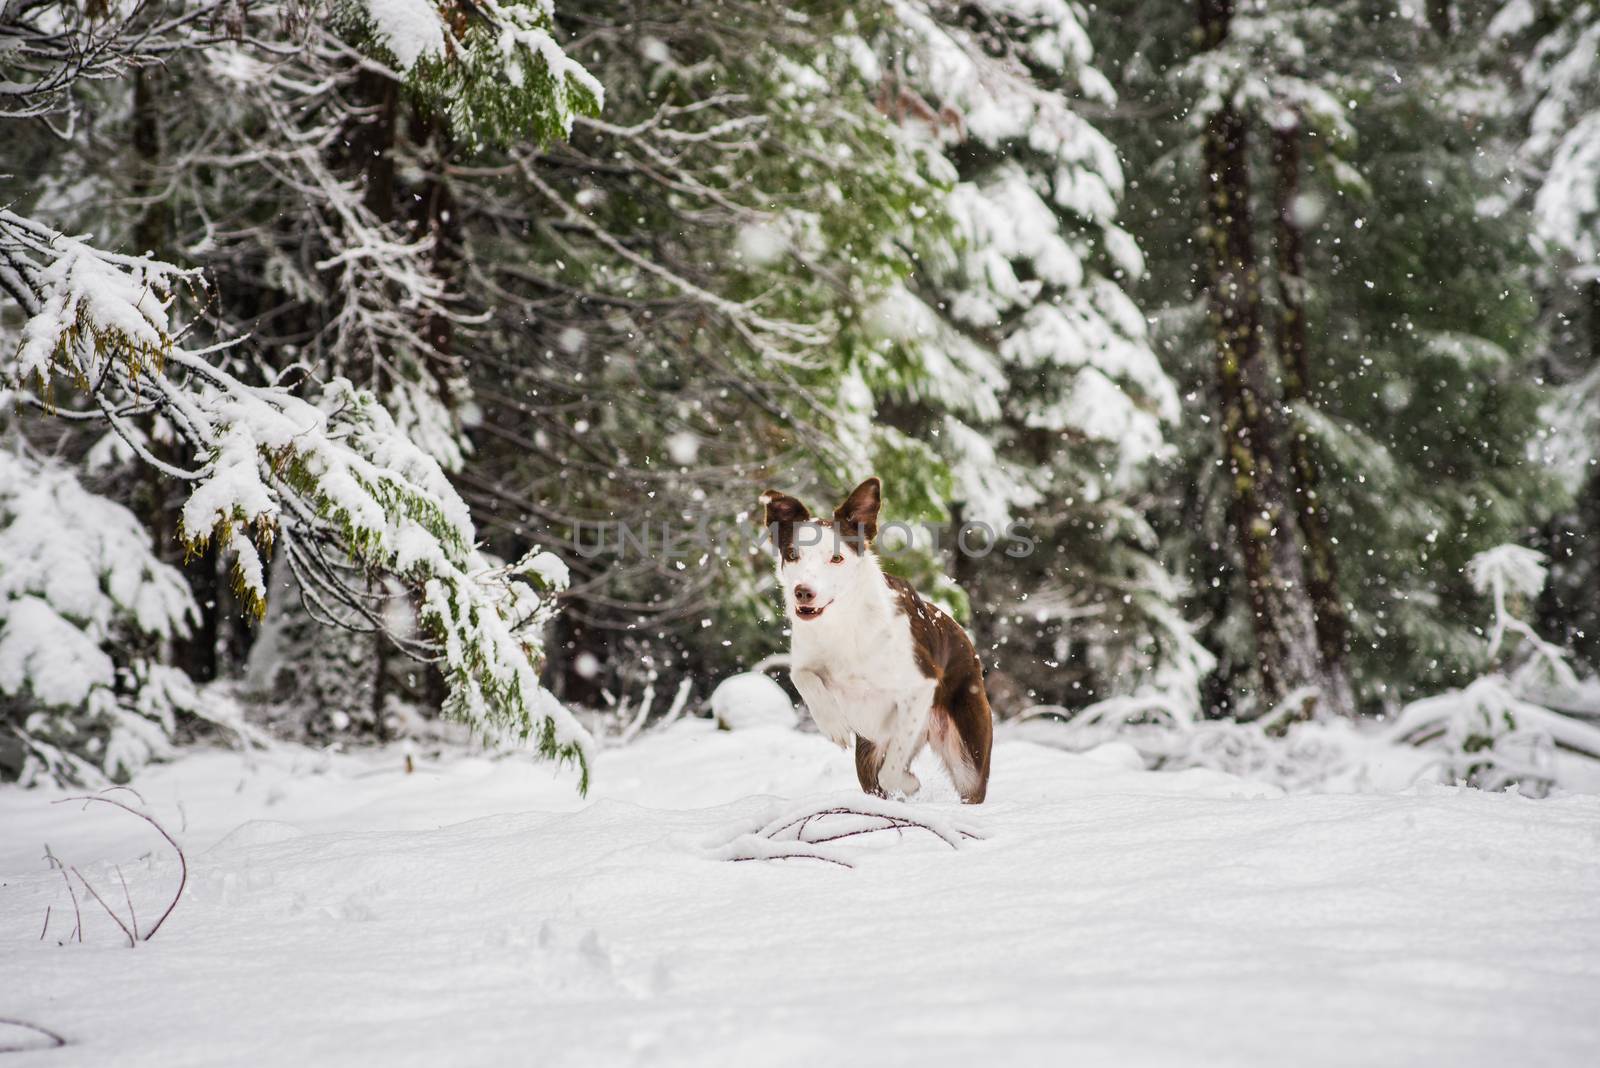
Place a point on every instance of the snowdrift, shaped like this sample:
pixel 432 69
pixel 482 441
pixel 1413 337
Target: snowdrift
pixel 476 911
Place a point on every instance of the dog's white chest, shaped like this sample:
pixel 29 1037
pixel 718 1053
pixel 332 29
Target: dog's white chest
pixel 868 673
pixel 868 708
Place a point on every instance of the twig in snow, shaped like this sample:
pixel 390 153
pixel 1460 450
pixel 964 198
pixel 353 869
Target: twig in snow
pixel 795 835
pixel 133 918
pixel 76 912
pixel 183 865
pixel 131 790
pixel 950 836
pixel 56 1041
pixel 45 929
pixel 796 856
pixel 132 942
pixel 896 827
pixel 680 701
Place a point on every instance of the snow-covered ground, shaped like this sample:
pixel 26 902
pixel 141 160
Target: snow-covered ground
pixel 476 911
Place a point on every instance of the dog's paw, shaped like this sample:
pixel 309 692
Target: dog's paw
pixel 898 782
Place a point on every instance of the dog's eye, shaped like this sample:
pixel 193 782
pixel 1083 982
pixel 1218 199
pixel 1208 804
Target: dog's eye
pixel 790 555
pixel 838 558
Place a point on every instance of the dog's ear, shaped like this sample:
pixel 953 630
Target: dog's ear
pixel 782 513
pixel 782 508
pixel 859 512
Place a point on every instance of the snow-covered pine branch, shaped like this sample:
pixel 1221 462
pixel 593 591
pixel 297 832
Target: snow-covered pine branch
pixel 85 608
pixel 1016 338
pixel 330 480
pixel 490 67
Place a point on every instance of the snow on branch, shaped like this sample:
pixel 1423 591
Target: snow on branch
pixel 50 47
pixel 350 497
pixel 1507 570
pixel 1525 722
pixel 84 601
pixel 491 67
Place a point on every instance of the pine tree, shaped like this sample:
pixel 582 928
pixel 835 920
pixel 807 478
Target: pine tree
pixel 1044 399
pixel 86 611
pixel 1260 518
pixel 333 485
pixel 1395 377
pixel 679 320
pixel 1551 51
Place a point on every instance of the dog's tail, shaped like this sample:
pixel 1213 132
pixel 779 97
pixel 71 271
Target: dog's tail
pixel 956 753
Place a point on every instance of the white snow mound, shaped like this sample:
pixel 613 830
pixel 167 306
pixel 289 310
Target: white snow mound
pixel 342 912
pixel 751 699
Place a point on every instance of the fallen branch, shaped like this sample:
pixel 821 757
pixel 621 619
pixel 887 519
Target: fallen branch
pixel 56 1041
pixel 795 835
pixel 796 856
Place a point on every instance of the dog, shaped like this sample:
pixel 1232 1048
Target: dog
pixel 870 657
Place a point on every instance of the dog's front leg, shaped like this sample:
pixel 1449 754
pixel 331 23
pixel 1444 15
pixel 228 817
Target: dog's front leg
pixel 825 710
pixel 907 733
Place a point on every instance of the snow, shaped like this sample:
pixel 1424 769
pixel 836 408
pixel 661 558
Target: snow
pixel 86 556
pixel 119 295
pixel 411 29
pixel 478 911
pixel 518 36
pixel 751 699
pixel 42 653
pixel 550 569
pixel 1568 204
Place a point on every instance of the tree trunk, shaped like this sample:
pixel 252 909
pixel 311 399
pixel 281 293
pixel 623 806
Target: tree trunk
pixel 1440 19
pixel 369 151
pixel 1259 519
pixel 203 653
pixel 380 682
pixel 1311 511
pixel 1590 500
pixel 435 214
pixel 576 675
pixel 964 572
pixel 372 141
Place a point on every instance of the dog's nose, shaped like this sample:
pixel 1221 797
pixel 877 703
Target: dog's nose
pixel 804 595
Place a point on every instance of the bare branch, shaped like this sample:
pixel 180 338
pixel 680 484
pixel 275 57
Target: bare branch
pixel 183 861
pixel 56 1041
pixel 132 942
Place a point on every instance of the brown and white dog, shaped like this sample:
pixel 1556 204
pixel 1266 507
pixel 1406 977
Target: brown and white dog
pixel 873 659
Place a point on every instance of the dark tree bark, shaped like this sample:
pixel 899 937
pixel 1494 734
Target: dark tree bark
pixel 435 214
pixel 963 571
pixel 1440 18
pixel 1589 503
pixel 200 652
pixel 372 141
pixel 572 677
pixel 1259 516
pixel 1294 354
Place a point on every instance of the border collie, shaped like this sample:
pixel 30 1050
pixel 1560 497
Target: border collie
pixel 873 659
